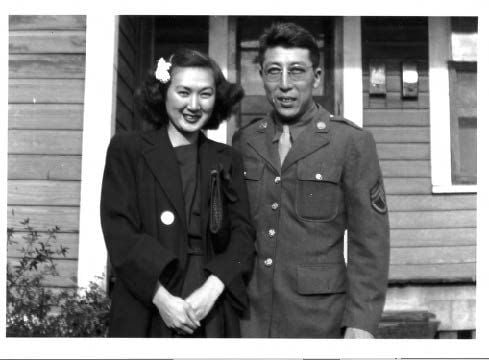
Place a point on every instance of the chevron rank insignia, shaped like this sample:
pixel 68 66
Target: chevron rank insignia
pixel 377 197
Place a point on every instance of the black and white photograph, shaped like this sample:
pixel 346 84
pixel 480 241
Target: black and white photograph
pixel 304 179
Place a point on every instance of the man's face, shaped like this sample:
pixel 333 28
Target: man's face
pixel 289 79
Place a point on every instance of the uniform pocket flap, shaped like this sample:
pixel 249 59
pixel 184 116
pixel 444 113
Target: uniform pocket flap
pixel 321 278
pixel 253 170
pixel 317 173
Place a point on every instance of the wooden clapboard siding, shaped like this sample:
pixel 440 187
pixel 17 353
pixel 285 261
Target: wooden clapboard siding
pixel 42 192
pixel 45 142
pixel 413 186
pixel 47 42
pixel 396 117
pixel 396 151
pixel 432 219
pixel 67 240
pixel 44 167
pixel 47 22
pixel 57 66
pixel 46 94
pixel 43 218
pixel 432 273
pixel 433 255
pixel 431 202
pixel 393 100
pixel 45 116
pixel 433 237
pixel 67 273
pixel 400 134
pixel 405 168
pixel 49 91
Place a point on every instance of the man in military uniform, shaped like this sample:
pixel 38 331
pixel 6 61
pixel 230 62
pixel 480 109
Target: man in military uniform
pixel 310 177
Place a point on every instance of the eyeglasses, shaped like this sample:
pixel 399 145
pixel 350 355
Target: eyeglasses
pixel 295 73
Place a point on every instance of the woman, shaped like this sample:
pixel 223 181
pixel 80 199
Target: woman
pixel 175 212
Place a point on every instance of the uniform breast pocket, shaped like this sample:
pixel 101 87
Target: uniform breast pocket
pixel 253 172
pixel 318 193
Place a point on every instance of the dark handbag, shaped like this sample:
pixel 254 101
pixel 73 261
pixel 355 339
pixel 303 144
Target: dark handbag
pixel 220 185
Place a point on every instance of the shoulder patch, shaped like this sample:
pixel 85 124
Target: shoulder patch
pixel 346 121
pixel 377 197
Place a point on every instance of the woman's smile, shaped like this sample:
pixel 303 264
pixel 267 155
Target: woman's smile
pixel 189 102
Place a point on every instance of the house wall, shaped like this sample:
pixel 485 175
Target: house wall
pixel 46 92
pixel 433 236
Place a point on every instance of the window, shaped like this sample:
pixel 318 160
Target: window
pixel 453 103
pixel 463 100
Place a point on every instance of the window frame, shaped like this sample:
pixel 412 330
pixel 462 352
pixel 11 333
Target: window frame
pixel 439 34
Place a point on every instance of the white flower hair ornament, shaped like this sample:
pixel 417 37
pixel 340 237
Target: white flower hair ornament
pixel 163 71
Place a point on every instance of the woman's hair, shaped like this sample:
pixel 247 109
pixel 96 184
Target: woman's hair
pixel 151 95
pixel 287 35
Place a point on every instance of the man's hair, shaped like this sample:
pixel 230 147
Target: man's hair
pixel 288 35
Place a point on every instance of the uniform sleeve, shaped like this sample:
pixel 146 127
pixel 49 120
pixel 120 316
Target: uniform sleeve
pixel 234 266
pixel 368 235
pixel 138 259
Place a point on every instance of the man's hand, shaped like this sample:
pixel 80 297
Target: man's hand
pixel 202 299
pixel 176 313
pixel 354 333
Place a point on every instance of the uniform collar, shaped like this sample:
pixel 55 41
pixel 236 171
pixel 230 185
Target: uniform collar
pixel 296 127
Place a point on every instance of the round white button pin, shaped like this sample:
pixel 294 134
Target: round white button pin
pixel 167 217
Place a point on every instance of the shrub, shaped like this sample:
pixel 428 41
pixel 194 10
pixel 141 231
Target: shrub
pixel 34 310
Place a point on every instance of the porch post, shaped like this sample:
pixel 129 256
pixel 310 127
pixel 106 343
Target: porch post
pixel 439 51
pixel 352 107
pixel 98 127
pixel 222 48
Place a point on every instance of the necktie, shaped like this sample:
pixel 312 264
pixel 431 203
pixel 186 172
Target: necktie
pixel 284 143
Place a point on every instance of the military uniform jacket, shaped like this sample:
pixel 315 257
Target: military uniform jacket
pixel 144 225
pixel 330 181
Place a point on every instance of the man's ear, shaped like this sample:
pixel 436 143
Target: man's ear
pixel 317 77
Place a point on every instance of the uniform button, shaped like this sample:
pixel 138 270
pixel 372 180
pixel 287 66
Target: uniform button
pixel 271 232
pixel 244 173
pixel 268 262
pixel 319 177
pixel 277 180
pixel 275 206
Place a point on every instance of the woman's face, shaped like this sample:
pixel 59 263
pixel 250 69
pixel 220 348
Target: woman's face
pixel 190 98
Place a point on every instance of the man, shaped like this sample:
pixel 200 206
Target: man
pixel 310 177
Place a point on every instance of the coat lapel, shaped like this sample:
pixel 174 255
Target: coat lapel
pixel 207 156
pixel 262 142
pixel 315 135
pixel 161 159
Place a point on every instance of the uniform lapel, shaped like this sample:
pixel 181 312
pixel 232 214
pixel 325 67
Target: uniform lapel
pixel 315 135
pixel 262 142
pixel 161 159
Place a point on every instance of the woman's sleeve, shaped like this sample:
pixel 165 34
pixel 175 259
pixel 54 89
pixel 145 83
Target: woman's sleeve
pixel 138 259
pixel 234 266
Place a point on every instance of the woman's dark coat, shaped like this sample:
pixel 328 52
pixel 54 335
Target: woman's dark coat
pixel 141 181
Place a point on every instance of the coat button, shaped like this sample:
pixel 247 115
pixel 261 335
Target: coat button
pixel 167 217
pixel 319 177
pixel 268 262
pixel 277 180
pixel 275 206
pixel 321 125
pixel 271 232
